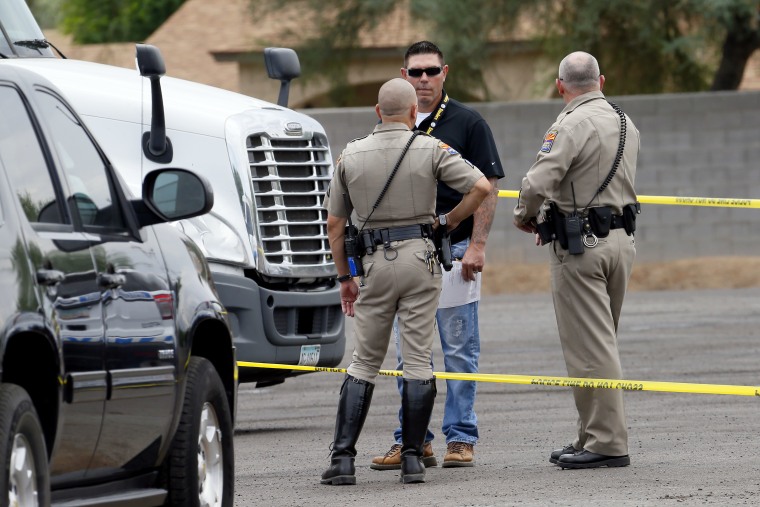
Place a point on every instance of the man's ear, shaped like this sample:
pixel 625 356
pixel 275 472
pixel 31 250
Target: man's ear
pixel 560 87
pixel 413 115
pixel 403 72
pixel 601 82
pixel 377 110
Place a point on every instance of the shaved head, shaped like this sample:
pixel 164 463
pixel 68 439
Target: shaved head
pixel 579 72
pixel 396 97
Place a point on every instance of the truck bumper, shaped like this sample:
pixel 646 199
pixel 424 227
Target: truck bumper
pixel 304 328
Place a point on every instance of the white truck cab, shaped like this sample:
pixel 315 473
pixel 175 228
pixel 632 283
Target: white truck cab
pixel 265 238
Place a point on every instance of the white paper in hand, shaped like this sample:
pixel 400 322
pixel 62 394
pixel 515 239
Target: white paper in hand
pixel 455 290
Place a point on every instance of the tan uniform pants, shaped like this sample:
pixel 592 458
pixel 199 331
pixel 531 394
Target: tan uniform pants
pixel 588 293
pixel 402 286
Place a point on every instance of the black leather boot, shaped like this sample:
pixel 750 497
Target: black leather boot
pixel 353 405
pixel 416 408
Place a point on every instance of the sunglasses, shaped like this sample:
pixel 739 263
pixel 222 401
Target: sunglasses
pixel 430 71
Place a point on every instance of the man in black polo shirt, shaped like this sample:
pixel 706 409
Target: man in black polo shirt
pixel 466 132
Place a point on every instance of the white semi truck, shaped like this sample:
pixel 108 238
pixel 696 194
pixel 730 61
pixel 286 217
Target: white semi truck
pixel 265 238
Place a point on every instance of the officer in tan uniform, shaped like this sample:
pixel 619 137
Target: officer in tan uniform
pixel 592 253
pixel 401 276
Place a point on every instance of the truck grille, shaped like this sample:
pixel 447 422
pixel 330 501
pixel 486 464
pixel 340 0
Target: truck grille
pixel 290 178
pixel 310 321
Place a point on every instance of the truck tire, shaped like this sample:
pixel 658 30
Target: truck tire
pixel 201 461
pixel 25 477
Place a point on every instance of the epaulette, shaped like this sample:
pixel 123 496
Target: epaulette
pixel 358 138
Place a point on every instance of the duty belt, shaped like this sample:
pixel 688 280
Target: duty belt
pixel 373 237
pixel 616 222
pixel 596 223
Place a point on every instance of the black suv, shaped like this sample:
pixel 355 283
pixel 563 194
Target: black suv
pixel 118 377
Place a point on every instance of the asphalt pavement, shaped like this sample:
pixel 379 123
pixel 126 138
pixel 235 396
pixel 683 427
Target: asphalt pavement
pixel 686 449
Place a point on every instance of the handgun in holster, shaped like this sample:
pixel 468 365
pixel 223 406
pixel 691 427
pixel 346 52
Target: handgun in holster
pixel 353 248
pixel 547 227
pixel 442 241
pixel 352 244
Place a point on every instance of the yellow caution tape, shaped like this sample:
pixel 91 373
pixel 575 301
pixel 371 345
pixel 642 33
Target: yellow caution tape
pixel 677 201
pixel 592 383
pixel 626 385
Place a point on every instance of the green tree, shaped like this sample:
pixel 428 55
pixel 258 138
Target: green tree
pixel 643 46
pixel 647 46
pixel 737 25
pixel 97 21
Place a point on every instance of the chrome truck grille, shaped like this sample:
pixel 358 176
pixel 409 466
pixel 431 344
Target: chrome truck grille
pixel 290 178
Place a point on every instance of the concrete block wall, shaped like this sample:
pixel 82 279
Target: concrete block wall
pixel 692 145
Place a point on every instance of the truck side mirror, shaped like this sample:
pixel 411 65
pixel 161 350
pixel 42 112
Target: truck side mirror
pixel 156 145
pixel 282 64
pixel 173 194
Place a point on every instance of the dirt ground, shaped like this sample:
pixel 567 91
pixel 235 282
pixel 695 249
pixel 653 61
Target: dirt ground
pixel 685 274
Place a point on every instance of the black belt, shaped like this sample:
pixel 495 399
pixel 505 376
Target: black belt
pixel 370 238
pixel 617 222
pixel 386 235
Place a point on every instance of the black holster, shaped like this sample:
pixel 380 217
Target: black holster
pixel 442 241
pixel 629 216
pixel 600 221
pixel 352 245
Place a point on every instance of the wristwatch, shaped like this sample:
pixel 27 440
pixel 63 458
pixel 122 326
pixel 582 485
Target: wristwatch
pixel 442 219
pixel 344 278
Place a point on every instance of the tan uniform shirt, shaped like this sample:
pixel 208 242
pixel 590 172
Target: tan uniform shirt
pixel 365 165
pixel 579 149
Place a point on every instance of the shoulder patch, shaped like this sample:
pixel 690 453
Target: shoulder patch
pixel 452 151
pixel 448 148
pixel 549 138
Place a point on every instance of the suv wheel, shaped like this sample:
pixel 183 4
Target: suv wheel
pixel 201 461
pixel 22 449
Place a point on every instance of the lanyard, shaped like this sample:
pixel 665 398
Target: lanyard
pixel 438 114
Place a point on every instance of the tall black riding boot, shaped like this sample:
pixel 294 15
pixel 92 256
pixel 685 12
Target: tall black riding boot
pixel 353 405
pixel 416 408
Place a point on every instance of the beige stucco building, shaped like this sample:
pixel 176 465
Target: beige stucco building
pixel 221 43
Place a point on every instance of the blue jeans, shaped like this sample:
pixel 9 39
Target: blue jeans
pixel 460 342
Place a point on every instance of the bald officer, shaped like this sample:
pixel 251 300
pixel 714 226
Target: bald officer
pixel 589 270
pixel 401 277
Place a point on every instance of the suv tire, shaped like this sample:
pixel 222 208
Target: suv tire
pixel 25 480
pixel 201 460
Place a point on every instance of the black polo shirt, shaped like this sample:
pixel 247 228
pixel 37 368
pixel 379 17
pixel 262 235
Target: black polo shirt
pixel 465 130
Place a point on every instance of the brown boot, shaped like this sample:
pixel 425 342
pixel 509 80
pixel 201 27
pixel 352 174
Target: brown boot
pixel 459 454
pixel 392 458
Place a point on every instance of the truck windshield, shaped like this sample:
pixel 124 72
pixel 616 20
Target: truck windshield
pixel 18 25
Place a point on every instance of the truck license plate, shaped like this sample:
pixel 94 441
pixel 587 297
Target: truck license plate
pixel 309 355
